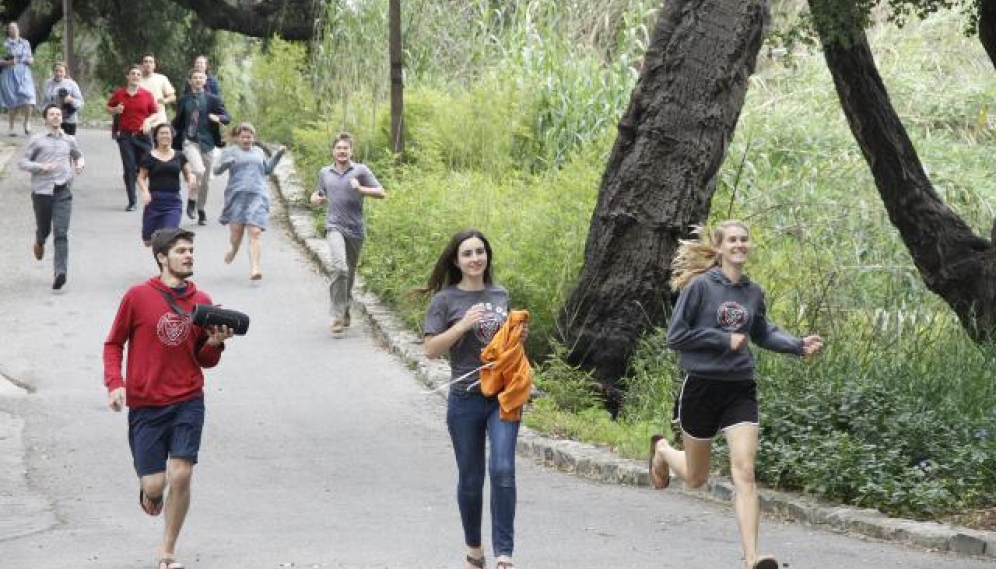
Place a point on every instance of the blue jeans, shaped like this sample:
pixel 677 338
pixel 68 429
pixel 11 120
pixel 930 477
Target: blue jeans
pixel 473 419
pixel 133 148
pixel 52 214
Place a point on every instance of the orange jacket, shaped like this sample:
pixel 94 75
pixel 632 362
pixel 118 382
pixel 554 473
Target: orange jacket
pixel 510 376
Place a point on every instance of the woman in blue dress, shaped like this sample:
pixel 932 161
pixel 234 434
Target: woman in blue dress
pixel 247 195
pixel 17 86
pixel 159 183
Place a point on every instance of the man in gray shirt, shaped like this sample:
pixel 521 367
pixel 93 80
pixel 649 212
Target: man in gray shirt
pixel 344 184
pixel 52 157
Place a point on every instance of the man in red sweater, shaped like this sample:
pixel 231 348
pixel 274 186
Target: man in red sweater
pixel 164 389
pixel 131 106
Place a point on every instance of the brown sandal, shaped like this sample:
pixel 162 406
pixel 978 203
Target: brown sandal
pixel 766 562
pixel 476 561
pixel 659 483
pixel 155 505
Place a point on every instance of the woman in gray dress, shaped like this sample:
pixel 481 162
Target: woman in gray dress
pixel 17 86
pixel 247 196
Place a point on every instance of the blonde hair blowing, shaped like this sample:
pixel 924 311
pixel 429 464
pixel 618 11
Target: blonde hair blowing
pixel 696 256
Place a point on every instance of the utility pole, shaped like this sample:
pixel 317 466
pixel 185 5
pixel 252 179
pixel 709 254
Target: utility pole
pixel 68 55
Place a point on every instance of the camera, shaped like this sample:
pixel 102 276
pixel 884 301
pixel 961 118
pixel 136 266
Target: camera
pixel 67 109
pixel 207 315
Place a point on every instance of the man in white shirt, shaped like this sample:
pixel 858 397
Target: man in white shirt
pixel 160 87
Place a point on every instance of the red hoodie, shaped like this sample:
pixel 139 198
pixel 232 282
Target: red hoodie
pixel 165 350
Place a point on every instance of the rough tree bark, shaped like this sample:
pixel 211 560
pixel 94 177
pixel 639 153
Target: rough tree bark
pixel 397 80
pixel 290 19
pixel 35 19
pixel 660 176
pixel 954 262
pixel 987 28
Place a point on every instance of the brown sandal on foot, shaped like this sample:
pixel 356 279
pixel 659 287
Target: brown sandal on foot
pixel 766 562
pixel 658 482
pixel 476 561
pixel 155 505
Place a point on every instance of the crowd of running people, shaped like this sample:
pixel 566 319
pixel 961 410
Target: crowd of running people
pixel 718 312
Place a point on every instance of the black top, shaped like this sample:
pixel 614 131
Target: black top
pixel 164 175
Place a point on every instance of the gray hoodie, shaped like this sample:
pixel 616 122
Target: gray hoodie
pixel 709 310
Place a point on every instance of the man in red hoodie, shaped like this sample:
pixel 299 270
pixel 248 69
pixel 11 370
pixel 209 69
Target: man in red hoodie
pixel 164 389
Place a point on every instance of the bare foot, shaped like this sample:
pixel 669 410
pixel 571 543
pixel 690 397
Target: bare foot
pixel 230 256
pixel 660 472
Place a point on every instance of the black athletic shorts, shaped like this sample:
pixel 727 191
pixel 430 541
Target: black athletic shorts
pixel 706 406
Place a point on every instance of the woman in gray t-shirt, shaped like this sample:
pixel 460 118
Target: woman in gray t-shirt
pixel 466 310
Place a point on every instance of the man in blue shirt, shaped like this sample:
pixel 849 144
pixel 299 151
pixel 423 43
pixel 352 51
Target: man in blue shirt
pixel 197 125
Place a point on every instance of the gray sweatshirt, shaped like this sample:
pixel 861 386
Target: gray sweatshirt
pixel 709 310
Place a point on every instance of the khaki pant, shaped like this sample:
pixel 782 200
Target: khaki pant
pixel 345 253
pixel 200 164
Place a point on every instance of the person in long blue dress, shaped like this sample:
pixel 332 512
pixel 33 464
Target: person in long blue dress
pixel 159 183
pixel 247 196
pixel 17 86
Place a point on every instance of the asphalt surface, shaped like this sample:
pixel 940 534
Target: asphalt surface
pixel 316 452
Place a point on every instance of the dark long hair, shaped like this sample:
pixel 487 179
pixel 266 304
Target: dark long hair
pixel 446 272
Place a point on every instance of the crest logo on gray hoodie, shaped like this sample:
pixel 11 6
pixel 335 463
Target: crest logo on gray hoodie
pixel 731 316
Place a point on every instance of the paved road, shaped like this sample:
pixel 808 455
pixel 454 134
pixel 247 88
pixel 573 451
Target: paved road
pixel 317 453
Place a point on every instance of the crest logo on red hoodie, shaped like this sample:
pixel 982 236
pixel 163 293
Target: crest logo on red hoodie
pixel 173 329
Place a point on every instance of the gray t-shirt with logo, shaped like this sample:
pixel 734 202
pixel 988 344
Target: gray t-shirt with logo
pixel 447 307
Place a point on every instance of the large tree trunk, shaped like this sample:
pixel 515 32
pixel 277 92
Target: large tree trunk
pixel 987 28
pixel 290 19
pixel 953 261
pixel 397 80
pixel 661 175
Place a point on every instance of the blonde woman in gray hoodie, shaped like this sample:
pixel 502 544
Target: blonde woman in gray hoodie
pixel 718 312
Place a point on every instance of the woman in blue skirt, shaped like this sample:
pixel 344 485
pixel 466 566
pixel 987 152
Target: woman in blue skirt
pixel 159 183
pixel 17 86
pixel 247 196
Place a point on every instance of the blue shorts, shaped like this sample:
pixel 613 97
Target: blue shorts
pixel 156 434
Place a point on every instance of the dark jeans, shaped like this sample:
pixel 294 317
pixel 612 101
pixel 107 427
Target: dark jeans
pixel 52 214
pixel 473 419
pixel 133 148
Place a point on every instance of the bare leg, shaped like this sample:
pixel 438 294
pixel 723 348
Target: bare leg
pixel 235 233
pixel 255 251
pixel 691 464
pixel 27 118
pixel 742 441
pixel 179 472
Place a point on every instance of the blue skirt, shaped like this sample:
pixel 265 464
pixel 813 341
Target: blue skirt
pixel 162 211
pixel 17 87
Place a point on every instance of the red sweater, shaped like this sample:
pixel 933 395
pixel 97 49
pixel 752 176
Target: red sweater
pixel 165 350
pixel 137 107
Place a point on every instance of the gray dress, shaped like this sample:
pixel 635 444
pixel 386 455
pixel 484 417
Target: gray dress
pixel 247 195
